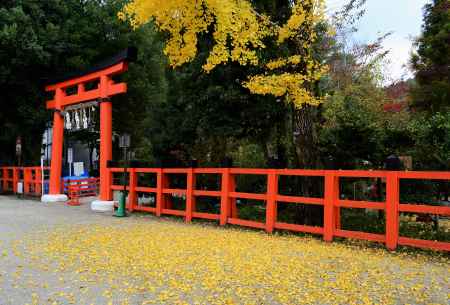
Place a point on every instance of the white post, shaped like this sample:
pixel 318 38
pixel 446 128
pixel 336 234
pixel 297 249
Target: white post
pixel 42 176
pixel 70 159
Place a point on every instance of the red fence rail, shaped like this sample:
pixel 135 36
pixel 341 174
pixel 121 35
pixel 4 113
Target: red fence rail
pixel 30 177
pixel 330 201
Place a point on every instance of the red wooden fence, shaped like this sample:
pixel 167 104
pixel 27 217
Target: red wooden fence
pixel 31 177
pixel 32 185
pixel 330 201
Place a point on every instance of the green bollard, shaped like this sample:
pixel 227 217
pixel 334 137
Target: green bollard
pixel 121 209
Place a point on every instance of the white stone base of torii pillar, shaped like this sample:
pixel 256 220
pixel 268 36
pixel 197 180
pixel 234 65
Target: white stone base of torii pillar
pixel 102 206
pixel 48 198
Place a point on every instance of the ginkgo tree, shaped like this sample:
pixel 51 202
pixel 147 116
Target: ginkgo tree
pixel 240 34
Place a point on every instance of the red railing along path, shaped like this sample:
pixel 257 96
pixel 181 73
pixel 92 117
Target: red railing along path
pixel 31 178
pixel 331 201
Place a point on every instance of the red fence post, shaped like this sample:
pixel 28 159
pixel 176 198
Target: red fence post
pixel 5 181
pixel 232 188
pixel 190 186
pixel 25 181
pixel 159 191
pixel 10 182
pixel 330 198
pixel 132 198
pixel 15 178
pixel 33 180
pixel 39 186
pixel 194 186
pixel 392 205
pixel 31 185
pixel 224 198
pixel 6 178
pixel 167 202
pixel 271 206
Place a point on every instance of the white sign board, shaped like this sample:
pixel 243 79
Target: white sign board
pixel 70 155
pixel 78 168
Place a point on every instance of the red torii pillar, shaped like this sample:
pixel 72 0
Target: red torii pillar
pixel 106 88
pixel 105 145
pixel 57 145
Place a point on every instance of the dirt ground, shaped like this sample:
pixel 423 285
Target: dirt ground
pixel 56 254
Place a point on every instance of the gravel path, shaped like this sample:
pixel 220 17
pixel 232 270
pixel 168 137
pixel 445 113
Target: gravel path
pixel 56 254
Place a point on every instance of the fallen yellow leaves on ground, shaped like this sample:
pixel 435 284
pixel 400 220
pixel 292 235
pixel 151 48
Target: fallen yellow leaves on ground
pixel 155 262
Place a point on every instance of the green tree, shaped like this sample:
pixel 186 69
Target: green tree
pixel 206 116
pixel 432 60
pixel 432 141
pixel 351 131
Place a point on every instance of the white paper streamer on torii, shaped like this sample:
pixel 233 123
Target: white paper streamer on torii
pixel 77 120
pixel 67 121
pixel 85 118
pixel 80 116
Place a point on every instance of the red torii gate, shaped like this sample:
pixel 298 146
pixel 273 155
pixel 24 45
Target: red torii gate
pixel 106 88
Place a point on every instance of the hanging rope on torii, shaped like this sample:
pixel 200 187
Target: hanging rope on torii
pixel 76 98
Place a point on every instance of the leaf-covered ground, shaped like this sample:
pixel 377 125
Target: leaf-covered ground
pixel 97 259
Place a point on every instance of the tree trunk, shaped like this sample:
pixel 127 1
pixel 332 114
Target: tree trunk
pixel 304 138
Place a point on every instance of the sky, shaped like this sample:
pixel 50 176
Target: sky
pixel 402 17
